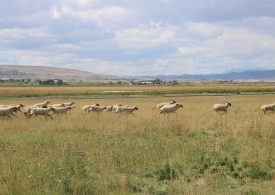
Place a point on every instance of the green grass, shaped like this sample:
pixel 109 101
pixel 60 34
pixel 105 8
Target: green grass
pixel 194 152
pixel 89 161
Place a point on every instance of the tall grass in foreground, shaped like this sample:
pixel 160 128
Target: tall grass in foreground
pixel 193 152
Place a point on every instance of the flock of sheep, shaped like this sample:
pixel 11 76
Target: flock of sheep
pixel 47 110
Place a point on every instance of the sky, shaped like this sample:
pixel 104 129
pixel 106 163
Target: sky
pixel 139 37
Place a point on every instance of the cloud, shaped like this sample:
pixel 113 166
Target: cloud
pixel 139 37
pixel 143 36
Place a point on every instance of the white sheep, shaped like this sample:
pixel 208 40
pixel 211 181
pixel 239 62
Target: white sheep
pixel 43 104
pixel 28 109
pixel 117 106
pixel 109 108
pixel 170 108
pixel 268 107
pixel 47 112
pixel 87 107
pixel 59 105
pixel 96 109
pixel 7 112
pixel 62 110
pixel 221 107
pixel 160 105
pixel 17 107
pixel 4 106
pixel 126 109
pixel 69 103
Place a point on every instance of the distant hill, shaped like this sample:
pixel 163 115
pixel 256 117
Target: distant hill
pixel 44 73
pixel 266 75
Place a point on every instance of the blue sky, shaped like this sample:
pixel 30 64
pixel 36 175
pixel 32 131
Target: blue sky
pixel 139 37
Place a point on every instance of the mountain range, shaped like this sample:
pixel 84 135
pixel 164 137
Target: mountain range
pixel 44 73
pixel 71 75
pixel 266 75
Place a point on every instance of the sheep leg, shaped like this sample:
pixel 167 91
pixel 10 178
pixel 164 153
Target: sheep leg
pixel 50 116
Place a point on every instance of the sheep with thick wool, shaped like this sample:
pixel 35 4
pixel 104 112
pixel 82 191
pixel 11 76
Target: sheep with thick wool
pixel 268 107
pixel 7 112
pixel 47 112
pixel 62 110
pixel 160 105
pixel 17 107
pixel 126 109
pixel 221 107
pixel 170 108
pixel 69 103
pixel 87 107
pixel 97 109
pixel 43 104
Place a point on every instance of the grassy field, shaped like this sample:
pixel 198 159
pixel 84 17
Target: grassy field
pixel 38 91
pixel 194 152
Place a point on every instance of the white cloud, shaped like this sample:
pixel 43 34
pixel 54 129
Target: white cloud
pixel 143 36
pixel 55 13
pixel 19 33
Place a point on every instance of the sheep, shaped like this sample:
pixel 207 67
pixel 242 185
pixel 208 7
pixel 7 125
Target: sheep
pixel 69 103
pixel 160 105
pixel 7 112
pixel 59 105
pixel 116 107
pixel 170 108
pixel 96 109
pixel 62 110
pixel 109 108
pixel 126 109
pixel 41 111
pixel 268 107
pixel 28 109
pixel 17 107
pixel 43 104
pixel 87 107
pixel 221 107
pixel 4 106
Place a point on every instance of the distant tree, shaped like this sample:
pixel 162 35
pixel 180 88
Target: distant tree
pixel 157 81
pixel 59 82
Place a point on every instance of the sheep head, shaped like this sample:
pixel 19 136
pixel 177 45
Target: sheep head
pixel 180 105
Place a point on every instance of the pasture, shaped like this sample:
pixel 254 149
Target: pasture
pixel 193 152
pixel 189 88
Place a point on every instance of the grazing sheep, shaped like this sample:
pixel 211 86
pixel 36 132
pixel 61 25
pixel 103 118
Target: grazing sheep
pixel 170 108
pixel 62 110
pixel 96 109
pixel 160 105
pixel 268 107
pixel 43 104
pixel 221 107
pixel 7 112
pixel 47 112
pixel 87 107
pixel 126 109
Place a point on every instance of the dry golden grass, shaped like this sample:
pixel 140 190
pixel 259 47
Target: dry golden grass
pixel 193 152
pixel 40 90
